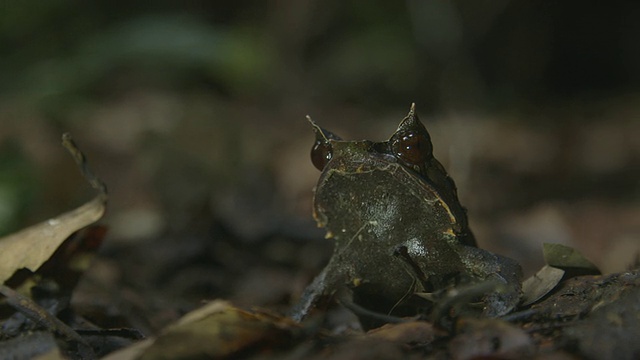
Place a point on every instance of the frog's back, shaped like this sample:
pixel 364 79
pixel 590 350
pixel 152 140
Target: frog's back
pixel 382 218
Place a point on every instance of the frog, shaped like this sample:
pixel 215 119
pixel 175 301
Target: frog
pixel 398 226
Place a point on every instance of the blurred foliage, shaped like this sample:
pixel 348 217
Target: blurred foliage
pixel 17 186
pixel 456 54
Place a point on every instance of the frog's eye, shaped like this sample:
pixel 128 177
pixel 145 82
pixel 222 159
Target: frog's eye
pixel 412 147
pixel 321 153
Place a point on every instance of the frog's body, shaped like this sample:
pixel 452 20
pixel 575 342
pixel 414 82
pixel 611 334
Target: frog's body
pixel 398 226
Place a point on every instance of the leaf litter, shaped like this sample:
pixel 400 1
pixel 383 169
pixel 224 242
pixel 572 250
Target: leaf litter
pixel 564 313
pixel 25 252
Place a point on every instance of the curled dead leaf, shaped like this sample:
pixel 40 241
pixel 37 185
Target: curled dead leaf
pixel 31 247
pixel 216 330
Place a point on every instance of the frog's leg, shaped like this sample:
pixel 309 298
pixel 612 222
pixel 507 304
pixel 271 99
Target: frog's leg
pixel 325 283
pixel 345 297
pixel 414 270
pixel 503 271
pixel 311 296
pixel 460 298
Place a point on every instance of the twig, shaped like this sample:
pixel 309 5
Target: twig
pixel 42 317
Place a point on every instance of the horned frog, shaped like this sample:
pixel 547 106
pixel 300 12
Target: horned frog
pixel 398 226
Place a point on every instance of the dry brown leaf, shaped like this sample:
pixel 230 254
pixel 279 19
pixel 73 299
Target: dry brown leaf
pixel 217 330
pixel 413 332
pixel 31 247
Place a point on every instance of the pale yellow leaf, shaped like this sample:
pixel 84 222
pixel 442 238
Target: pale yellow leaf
pixel 540 284
pixel 31 247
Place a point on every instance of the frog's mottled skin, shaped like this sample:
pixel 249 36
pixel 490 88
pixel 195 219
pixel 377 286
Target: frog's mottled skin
pixel 376 207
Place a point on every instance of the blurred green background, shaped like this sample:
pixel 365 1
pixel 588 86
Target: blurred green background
pixel 193 112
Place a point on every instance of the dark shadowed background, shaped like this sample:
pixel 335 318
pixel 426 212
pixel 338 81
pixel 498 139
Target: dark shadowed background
pixel 193 113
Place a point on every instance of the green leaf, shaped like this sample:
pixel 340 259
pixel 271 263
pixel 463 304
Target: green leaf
pixel 562 256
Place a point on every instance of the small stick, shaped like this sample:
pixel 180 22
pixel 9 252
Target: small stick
pixel 40 316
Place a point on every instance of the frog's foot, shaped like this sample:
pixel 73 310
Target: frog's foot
pixel 503 299
pixel 506 273
pixel 495 294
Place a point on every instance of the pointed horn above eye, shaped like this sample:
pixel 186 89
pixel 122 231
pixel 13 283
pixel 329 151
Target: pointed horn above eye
pixel 317 130
pixel 411 121
pixel 412 112
pixel 322 134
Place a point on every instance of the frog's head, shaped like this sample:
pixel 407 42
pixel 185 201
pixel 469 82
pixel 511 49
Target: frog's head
pixel 410 145
pixel 406 155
